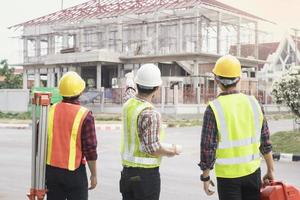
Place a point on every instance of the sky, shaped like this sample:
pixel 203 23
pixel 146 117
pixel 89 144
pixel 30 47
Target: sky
pixel 285 13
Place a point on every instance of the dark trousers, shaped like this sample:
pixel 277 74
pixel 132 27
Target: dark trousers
pixel 140 184
pixel 64 184
pixel 243 188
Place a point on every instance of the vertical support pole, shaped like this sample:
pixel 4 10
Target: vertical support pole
pixel 37 77
pixel 179 36
pixel 219 30
pixel 198 92
pixel 58 72
pixel 37 47
pixel 102 90
pixel 99 73
pixel 144 39
pixel 120 35
pixel 65 42
pixel 198 22
pixel 196 74
pixel 157 30
pixel 256 53
pixel 49 77
pixel 106 41
pixel 176 98
pixel 238 50
pixel 25 49
pixel 25 78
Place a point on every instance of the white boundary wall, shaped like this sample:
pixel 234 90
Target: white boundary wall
pixel 14 100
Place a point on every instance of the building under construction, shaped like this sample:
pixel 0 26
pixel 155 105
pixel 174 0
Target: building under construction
pixel 104 39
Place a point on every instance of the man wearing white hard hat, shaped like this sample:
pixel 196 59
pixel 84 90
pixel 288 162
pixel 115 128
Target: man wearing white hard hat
pixel 141 147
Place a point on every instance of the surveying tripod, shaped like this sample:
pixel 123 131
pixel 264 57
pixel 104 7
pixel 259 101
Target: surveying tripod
pixel 40 106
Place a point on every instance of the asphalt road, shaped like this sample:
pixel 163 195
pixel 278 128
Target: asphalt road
pixel 180 175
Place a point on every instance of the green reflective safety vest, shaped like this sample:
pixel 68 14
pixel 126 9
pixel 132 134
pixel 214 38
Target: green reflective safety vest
pixel 239 122
pixel 131 153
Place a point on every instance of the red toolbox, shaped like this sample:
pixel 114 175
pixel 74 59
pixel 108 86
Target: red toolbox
pixel 279 191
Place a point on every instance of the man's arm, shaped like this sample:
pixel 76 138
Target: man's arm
pixel 209 145
pixel 130 91
pixel 89 147
pixel 149 123
pixel 266 151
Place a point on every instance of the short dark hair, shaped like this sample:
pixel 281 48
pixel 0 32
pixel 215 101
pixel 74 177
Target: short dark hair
pixel 222 79
pixel 71 98
pixel 143 90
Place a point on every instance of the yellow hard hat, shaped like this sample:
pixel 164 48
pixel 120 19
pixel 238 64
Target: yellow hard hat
pixel 227 66
pixel 71 85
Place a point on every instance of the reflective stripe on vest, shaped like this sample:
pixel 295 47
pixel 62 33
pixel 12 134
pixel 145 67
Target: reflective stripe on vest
pixel 64 135
pixel 130 143
pixel 239 121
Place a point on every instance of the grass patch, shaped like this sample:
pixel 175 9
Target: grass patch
pixel 20 116
pixel 286 142
pixel 183 123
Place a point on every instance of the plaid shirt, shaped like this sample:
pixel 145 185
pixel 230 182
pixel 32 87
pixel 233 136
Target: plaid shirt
pixel 209 141
pixel 88 134
pixel 149 122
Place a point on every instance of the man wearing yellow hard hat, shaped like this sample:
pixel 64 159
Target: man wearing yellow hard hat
pixel 71 143
pixel 234 133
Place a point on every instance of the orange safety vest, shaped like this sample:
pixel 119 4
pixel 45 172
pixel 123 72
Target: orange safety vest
pixel 64 135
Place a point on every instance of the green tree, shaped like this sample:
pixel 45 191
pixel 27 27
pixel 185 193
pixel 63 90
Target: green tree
pixel 11 81
pixel 286 90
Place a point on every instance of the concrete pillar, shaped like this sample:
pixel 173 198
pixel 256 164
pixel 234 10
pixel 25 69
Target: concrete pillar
pixel 219 29
pixel 50 77
pixel 25 79
pixel 65 42
pixel 51 44
pixel 65 70
pixel 106 36
pixel 82 41
pixel 25 48
pixel 102 91
pixel 78 70
pixel 196 73
pixel 58 75
pixel 198 22
pixel 238 49
pixel 198 93
pixel 120 36
pixel 144 40
pixel 37 77
pixel 37 47
pixel 179 36
pixel 157 30
pixel 256 53
pixel 120 71
pixel 175 94
pixel 99 73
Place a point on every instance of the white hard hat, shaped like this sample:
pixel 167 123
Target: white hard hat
pixel 148 75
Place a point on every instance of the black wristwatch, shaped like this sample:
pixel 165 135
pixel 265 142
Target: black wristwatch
pixel 204 179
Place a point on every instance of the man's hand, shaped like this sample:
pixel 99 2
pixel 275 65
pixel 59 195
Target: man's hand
pixel 93 180
pixel 268 177
pixel 206 187
pixel 130 79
